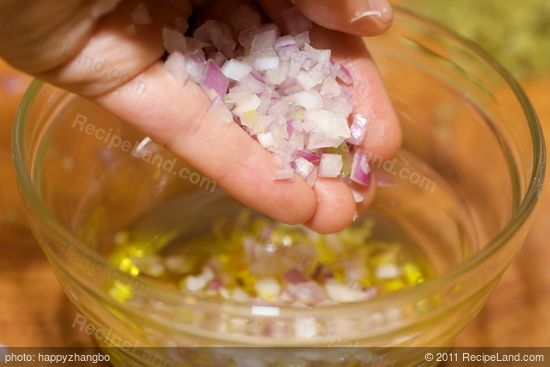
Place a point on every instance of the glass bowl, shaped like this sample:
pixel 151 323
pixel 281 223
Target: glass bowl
pixel 462 190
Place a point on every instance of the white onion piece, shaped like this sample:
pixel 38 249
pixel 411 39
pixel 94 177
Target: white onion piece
pixel 264 63
pixel 266 139
pixel 236 70
pixel 195 67
pixel 177 67
pixel 285 47
pixel 321 141
pixel 244 102
pixel 308 99
pixel 309 79
pixel 265 39
pixel 253 84
pixel 331 165
pixel 358 129
pixel 309 293
pixel 329 124
pixel 263 108
pixel 357 197
pixel 302 39
pixel 360 169
pixel 344 293
pixel 330 88
pixel 276 76
pixel 216 34
pixel 303 167
pixel 296 62
pixel 312 178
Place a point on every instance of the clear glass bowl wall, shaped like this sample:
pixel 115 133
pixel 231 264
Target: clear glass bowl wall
pixel 470 137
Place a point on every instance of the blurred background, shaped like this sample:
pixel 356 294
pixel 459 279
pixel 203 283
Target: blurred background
pixel 34 311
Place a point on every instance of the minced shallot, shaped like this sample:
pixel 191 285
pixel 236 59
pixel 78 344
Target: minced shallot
pixel 292 98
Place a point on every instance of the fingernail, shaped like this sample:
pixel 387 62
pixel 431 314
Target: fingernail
pixel 381 9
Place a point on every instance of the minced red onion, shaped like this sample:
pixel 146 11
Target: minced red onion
pixel 358 129
pixel 292 98
pixel 176 65
pixel 331 165
pixel 310 156
pixel 357 197
pixel 214 79
pixel 360 170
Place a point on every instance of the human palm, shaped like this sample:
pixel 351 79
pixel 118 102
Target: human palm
pixel 93 48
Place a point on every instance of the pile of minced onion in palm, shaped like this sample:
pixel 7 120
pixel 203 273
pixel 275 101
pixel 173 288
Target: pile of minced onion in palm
pixel 292 98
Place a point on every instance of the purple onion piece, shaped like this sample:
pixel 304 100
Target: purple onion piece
pixel 309 293
pixel 286 47
pixel 215 79
pixel 358 129
pixel 309 156
pixel 342 73
pixel 215 284
pixel 290 129
pixel 295 276
pixel 360 169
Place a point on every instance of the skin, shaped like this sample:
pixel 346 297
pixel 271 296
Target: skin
pixel 225 153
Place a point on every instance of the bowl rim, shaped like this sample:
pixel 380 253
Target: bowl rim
pixel 518 219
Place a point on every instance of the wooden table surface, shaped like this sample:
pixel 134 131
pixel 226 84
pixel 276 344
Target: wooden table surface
pixel 35 312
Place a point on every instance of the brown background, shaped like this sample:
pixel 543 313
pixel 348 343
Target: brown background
pixel 35 312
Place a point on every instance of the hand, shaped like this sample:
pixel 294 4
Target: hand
pixel 51 38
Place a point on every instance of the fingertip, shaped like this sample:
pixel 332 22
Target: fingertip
pixel 357 17
pixel 291 202
pixel 369 23
pixel 335 207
